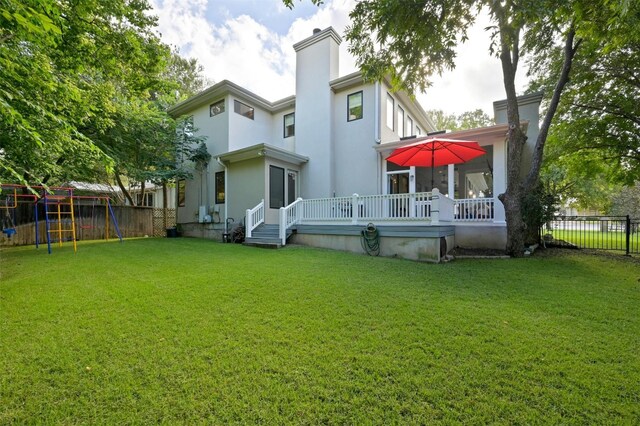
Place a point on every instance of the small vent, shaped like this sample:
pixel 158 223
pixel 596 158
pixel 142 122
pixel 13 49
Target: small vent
pixel 316 31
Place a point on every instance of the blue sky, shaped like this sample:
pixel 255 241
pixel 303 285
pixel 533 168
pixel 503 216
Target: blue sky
pixel 265 12
pixel 250 43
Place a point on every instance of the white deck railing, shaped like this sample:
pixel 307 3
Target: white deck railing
pixel 289 216
pixel 255 217
pixel 432 207
pixel 474 210
pixel 421 206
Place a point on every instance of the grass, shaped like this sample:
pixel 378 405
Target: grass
pixel 612 240
pixel 193 331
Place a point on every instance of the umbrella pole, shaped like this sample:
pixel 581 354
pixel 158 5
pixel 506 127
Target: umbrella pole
pixel 432 167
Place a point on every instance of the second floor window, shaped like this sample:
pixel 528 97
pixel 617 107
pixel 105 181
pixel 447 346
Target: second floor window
pixel 289 125
pixel 243 109
pixel 390 106
pixel 409 126
pixel 354 106
pixel 216 108
pixel 400 122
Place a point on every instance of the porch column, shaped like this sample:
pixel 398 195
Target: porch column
pixel 451 174
pixel 499 180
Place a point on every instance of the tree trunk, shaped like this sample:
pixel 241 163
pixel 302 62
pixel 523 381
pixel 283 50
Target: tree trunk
pixel 164 204
pixel 123 189
pixel 536 161
pixel 143 188
pixel 512 198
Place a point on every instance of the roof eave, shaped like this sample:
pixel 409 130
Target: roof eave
pixel 263 150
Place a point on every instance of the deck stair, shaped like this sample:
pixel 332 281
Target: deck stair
pixel 266 236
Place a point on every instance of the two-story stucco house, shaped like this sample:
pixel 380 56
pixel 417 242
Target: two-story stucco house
pixel 316 163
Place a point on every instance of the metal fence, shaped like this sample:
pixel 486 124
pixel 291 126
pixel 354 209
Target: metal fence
pixel 619 233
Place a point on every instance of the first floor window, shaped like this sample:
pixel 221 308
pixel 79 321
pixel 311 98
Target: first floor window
pixel 146 201
pixel 354 106
pixel 276 187
pixel 243 109
pixel 219 187
pixel 289 125
pixel 182 186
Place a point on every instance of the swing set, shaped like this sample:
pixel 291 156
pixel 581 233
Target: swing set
pixel 60 208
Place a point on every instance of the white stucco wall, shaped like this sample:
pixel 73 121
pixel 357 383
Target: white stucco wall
pixel 216 128
pixel 243 131
pixel 355 159
pixel 391 135
pixel 200 190
pixel 529 107
pixel 316 65
pixel 277 131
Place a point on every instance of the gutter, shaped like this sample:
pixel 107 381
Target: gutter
pixel 376 131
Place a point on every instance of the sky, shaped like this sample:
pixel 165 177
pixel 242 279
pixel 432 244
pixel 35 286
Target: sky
pixel 250 42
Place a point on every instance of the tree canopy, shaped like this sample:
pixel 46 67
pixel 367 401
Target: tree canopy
pixel 83 92
pixel 596 133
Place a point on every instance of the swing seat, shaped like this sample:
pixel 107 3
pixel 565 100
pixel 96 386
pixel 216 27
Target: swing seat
pixel 9 232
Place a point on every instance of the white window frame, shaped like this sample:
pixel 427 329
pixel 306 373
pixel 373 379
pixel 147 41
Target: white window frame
pixel 237 108
pixel 390 111
pixel 349 96
pixel 293 125
pixel 400 120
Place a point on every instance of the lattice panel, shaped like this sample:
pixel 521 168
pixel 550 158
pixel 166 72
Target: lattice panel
pixel 159 223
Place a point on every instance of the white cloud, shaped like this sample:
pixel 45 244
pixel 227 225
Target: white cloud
pixel 254 56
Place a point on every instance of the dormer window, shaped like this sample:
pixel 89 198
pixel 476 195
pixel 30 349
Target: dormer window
pixel 243 109
pixel 216 108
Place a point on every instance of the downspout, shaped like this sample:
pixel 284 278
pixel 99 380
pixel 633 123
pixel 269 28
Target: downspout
pixel 226 194
pixel 378 111
pixel 206 189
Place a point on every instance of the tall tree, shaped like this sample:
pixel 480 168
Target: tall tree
pixel 409 41
pixel 63 65
pixel 599 114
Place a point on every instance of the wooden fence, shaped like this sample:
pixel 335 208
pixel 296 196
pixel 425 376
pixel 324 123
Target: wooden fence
pixel 90 225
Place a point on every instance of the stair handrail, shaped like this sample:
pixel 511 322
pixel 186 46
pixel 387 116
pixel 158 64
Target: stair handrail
pixel 289 216
pixel 254 217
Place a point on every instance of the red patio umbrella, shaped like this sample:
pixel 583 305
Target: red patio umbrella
pixel 436 152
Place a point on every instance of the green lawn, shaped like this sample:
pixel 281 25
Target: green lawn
pixel 194 331
pixel 613 240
